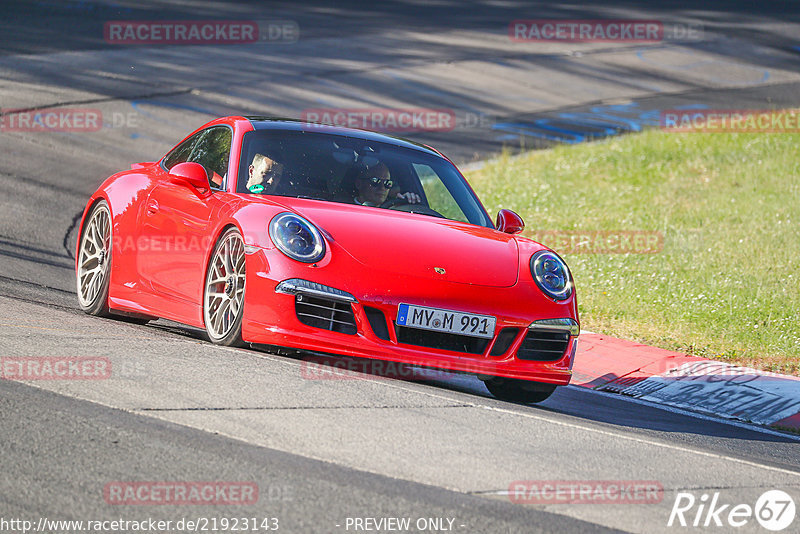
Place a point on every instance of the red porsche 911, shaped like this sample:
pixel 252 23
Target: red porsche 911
pixel 333 240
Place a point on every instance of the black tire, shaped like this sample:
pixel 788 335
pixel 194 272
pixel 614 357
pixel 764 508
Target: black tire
pixel 521 391
pixel 96 303
pixel 94 260
pixel 222 328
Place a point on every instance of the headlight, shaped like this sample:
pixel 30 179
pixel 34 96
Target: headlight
pixel 297 238
pixel 551 275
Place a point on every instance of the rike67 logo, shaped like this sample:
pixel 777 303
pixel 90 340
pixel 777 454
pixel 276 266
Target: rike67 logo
pixel 774 510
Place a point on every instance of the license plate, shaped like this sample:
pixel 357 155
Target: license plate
pixel 453 322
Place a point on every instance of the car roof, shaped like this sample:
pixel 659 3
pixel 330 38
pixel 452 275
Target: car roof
pixel 277 123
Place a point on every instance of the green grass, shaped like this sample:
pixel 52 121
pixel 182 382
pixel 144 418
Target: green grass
pixel 726 284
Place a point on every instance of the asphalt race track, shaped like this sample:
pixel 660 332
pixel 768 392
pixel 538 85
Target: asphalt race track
pixel 327 455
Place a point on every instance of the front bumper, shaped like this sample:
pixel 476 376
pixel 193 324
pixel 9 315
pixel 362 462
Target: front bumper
pixel 270 318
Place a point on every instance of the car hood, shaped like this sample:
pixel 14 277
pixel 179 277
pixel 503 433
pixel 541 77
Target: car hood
pixel 412 245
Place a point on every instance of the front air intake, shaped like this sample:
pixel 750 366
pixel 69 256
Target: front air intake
pixel 377 321
pixel 441 340
pixel 544 345
pixel 329 314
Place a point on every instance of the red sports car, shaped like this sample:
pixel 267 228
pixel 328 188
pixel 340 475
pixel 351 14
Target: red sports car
pixel 333 240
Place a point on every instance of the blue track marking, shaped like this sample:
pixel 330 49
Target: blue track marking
pixel 577 127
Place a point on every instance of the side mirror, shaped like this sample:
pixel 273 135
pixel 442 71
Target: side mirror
pixel 191 173
pixel 509 222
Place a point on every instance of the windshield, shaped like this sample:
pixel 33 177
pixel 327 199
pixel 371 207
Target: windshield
pixel 350 170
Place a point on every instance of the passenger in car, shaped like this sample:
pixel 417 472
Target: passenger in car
pixel 373 185
pixel 265 175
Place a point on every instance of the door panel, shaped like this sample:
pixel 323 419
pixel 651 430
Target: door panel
pixel 175 228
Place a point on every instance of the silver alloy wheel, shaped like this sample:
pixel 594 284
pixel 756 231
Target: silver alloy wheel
pixel 224 292
pixel 94 260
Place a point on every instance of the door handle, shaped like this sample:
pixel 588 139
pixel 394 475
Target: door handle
pixel 152 207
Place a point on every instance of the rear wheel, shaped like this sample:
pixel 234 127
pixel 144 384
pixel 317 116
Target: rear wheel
pixel 94 262
pixel 523 391
pixel 223 297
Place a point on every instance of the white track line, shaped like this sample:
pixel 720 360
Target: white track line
pixel 689 413
pixel 597 430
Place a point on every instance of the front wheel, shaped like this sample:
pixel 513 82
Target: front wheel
pixel 522 391
pixel 94 261
pixel 223 297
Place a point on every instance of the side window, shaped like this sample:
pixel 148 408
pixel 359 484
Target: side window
pixel 181 152
pixel 439 198
pixel 212 151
